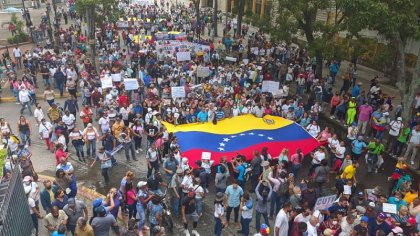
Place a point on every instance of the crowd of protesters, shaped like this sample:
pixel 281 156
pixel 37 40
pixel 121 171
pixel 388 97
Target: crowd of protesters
pixel 95 123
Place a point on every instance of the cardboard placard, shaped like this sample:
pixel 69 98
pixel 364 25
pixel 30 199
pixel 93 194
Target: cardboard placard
pixel 270 86
pixel 116 77
pixel 203 71
pixel 178 92
pixel 183 56
pixel 131 84
pixel 206 155
pixel 232 59
pixel 106 82
pixel 323 203
pixel 389 208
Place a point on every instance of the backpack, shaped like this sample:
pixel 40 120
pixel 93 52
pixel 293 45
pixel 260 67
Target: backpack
pixel 283 189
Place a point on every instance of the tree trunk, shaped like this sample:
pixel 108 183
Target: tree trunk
pixel 240 16
pixel 90 19
pixel 319 64
pixel 216 8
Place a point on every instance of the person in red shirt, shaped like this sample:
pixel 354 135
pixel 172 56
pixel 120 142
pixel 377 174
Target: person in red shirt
pixel 60 153
pixel 123 100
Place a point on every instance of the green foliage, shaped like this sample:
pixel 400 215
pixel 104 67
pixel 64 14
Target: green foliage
pixel 18 38
pixel 105 10
pixel 263 23
pixel 3 155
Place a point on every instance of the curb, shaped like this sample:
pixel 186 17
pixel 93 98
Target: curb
pixel 38 97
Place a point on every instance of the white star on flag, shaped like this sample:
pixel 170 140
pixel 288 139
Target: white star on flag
pixel 226 140
pixel 270 138
pixel 251 133
pixel 222 144
pixel 233 136
pixel 221 149
pixel 261 135
pixel 242 134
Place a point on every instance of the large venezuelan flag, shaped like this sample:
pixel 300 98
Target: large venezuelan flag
pixel 241 134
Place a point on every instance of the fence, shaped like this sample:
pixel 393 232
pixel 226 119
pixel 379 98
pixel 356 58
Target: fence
pixel 15 219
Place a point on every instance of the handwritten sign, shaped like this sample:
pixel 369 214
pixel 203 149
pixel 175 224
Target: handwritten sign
pixel 254 50
pixel 106 82
pixel 178 92
pixel 122 24
pixel 203 71
pixel 206 155
pixel 232 59
pixel 116 77
pixel 270 86
pixel 183 56
pixel 389 208
pixel 323 203
pixel 131 84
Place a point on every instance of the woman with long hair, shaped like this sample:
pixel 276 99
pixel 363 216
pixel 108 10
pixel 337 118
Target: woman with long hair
pixel 219 211
pixel 263 197
pixel 25 130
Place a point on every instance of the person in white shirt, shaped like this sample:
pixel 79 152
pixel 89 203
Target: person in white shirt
pixel 246 208
pixel 281 226
pixel 25 99
pixel 38 114
pixel 18 55
pixel 45 129
pixel 340 150
pixel 413 144
pixel 69 120
pixel 219 211
pixel 313 129
pixel 104 123
pixel 312 226
pixel 394 130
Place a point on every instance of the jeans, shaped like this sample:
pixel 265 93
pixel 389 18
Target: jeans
pixel 141 216
pixel 235 211
pixel 26 105
pixel 137 143
pixel 79 149
pixel 153 165
pixel 35 222
pixel 72 228
pixel 276 203
pixel 129 146
pixel 397 148
pixel 60 87
pixel 199 205
pixel 371 162
pixel 132 212
pixel 91 147
pixel 50 102
pixel 47 82
pixel 175 205
pixel 245 226
pixel 241 183
pixel 104 172
pixel 16 94
pixel 25 136
pixel 218 226
pixel 295 170
pixel 258 220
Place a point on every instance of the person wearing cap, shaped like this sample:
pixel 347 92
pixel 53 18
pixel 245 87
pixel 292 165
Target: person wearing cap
pixel 219 211
pixel 143 197
pixel 401 141
pixel 411 227
pixel 359 200
pixel 103 222
pixel 395 127
pixel 358 146
pixel 379 224
pixel 413 145
pixel 74 210
pixel 362 226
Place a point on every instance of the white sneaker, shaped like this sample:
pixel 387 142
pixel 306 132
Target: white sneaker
pixel 412 162
pixel 195 233
pixel 186 232
pixel 137 151
pixel 140 149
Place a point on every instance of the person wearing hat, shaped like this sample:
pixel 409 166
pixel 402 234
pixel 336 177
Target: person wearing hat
pixel 219 211
pixel 358 146
pixel 379 224
pixel 176 190
pixel 362 226
pixel 143 197
pixel 102 223
pixel 395 127
pixel 74 210
pixel 413 144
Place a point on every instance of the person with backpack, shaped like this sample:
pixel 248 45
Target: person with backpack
pixel 278 177
pixel 240 167
pixel 246 208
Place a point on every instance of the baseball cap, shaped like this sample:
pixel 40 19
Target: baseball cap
pixel 97 202
pixel 382 216
pixel 100 210
pixel 360 194
pixel 412 221
pixel 364 219
pixel 71 202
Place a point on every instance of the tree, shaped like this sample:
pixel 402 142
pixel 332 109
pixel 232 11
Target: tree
pixel 398 22
pixel 241 9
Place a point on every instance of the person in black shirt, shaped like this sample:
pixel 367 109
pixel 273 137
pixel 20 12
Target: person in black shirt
pixel 151 132
pixel 341 206
pixel 154 183
pixel 189 212
pixel 71 105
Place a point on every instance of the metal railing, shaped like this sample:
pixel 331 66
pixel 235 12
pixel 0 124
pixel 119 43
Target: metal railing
pixel 15 219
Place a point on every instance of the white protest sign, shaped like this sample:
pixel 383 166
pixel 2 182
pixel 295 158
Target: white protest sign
pixel 203 71
pixel 323 203
pixel 232 59
pixel 389 208
pixel 270 86
pixel 116 77
pixel 122 24
pixel 178 92
pixel 183 56
pixel 245 61
pixel 131 84
pixel 254 50
pixel 106 82
pixel 206 155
